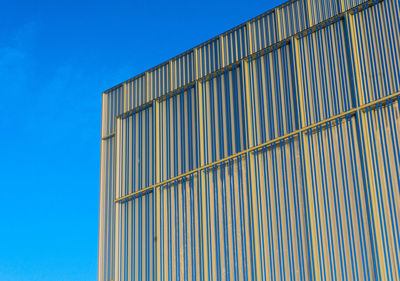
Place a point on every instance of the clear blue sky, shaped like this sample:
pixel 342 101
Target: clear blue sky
pixel 56 57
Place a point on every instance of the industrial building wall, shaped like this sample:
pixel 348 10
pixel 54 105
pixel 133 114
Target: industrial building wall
pixel 270 152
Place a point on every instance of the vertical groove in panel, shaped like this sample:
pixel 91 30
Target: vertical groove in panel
pixel 272 91
pixel 324 72
pixel 375 37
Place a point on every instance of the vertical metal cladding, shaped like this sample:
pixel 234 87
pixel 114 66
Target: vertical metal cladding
pixel 380 135
pixel 223 108
pixel 324 73
pixel 280 223
pixel 135 92
pixel 183 70
pixel 336 195
pixel 135 151
pixel 113 105
pixel 270 152
pixel 291 18
pixel 179 225
pixel 234 45
pixel 178 133
pixel 262 32
pixel 107 210
pixel 209 57
pixel 135 242
pixel 375 34
pixel 346 5
pixel 273 93
pixel 159 80
pixel 321 10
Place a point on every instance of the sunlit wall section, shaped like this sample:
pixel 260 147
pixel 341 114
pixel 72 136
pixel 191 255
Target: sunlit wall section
pixel 177 143
pixel 179 230
pixel 262 31
pixel 380 135
pixel 321 10
pixel 112 106
pixel 235 44
pixel 183 69
pixel 135 250
pixel 135 92
pixel 346 5
pixel 336 194
pixel 272 93
pixel 279 210
pixel 159 80
pixel 135 151
pixel 209 57
pixel 223 114
pixel 323 70
pixel 376 43
pixel 291 18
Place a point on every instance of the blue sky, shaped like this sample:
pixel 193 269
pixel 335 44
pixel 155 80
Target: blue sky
pixel 56 57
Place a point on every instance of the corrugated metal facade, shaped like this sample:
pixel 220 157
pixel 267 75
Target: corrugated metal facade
pixel 270 152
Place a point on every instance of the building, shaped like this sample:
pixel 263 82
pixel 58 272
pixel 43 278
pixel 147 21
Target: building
pixel 270 152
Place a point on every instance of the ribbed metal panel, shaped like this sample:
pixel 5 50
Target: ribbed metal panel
pixel 107 210
pixel 183 70
pixel 342 245
pixel 321 10
pixel 136 92
pixel 113 105
pixel 177 148
pixel 209 57
pixel 273 93
pixel 135 151
pixel 135 240
pixel 178 224
pixel 324 72
pixel 280 224
pixel 375 33
pixel 159 80
pixel 223 114
pixel 346 5
pixel 234 45
pixel 263 31
pixel 291 18
pixel 380 134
